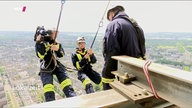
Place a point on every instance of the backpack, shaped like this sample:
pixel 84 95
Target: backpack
pixel 140 35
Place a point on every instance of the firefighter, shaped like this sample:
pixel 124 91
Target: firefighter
pixel 49 65
pixel 120 39
pixel 82 60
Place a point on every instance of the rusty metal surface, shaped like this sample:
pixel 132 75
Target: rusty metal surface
pixel 171 84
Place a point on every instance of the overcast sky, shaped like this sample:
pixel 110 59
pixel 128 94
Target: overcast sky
pixel 84 16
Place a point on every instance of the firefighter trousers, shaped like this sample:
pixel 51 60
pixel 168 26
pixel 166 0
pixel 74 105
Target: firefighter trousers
pixel 86 76
pixel 63 79
pixel 107 77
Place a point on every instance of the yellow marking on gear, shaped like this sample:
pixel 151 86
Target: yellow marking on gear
pixel 78 66
pixel 89 59
pixel 77 63
pixel 101 85
pixel 40 56
pixel 79 56
pixel 86 81
pixel 140 58
pixel 65 83
pixel 47 47
pixel 57 45
pixel 48 88
pixel 107 80
pixel 82 53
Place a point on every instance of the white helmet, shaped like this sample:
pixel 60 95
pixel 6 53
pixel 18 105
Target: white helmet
pixel 80 39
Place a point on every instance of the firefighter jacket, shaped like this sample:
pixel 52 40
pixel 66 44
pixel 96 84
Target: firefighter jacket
pixel 120 38
pixel 48 61
pixel 81 63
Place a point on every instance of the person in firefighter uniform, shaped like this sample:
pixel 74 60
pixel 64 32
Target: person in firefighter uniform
pixel 120 39
pixel 82 60
pixel 48 51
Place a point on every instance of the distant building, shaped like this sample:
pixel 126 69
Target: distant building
pixel 187 57
pixel 3 99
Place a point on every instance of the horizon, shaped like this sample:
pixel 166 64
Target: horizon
pixel 84 16
pixel 91 31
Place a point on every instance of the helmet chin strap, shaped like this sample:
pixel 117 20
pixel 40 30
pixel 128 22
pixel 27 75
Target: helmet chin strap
pixel 83 49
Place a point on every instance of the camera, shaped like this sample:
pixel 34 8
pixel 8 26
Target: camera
pixel 45 34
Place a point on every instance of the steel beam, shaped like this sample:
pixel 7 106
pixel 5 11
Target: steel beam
pixel 171 84
pixel 103 99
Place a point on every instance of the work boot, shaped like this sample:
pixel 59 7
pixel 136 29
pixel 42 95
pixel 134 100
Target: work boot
pixel 49 96
pixel 69 91
pixel 106 86
pixel 89 88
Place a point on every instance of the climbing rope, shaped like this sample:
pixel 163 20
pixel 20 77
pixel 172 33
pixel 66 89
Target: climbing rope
pixel 58 22
pixel 145 69
pixel 100 25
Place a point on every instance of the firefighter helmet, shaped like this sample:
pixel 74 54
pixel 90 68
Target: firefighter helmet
pixel 80 39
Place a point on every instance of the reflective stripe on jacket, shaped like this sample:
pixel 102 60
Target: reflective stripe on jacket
pixel 80 62
pixel 43 51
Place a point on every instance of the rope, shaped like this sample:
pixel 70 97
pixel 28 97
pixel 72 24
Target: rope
pixel 62 2
pixel 100 25
pixel 145 69
pixel 69 69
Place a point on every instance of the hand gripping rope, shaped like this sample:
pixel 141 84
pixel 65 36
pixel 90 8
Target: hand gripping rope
pixel 145 69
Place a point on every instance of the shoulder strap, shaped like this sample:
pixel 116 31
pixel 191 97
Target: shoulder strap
pixel 133 21
pixel 140 34
pixel 79 56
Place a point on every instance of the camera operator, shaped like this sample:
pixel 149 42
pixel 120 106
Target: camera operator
pixel 48 51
